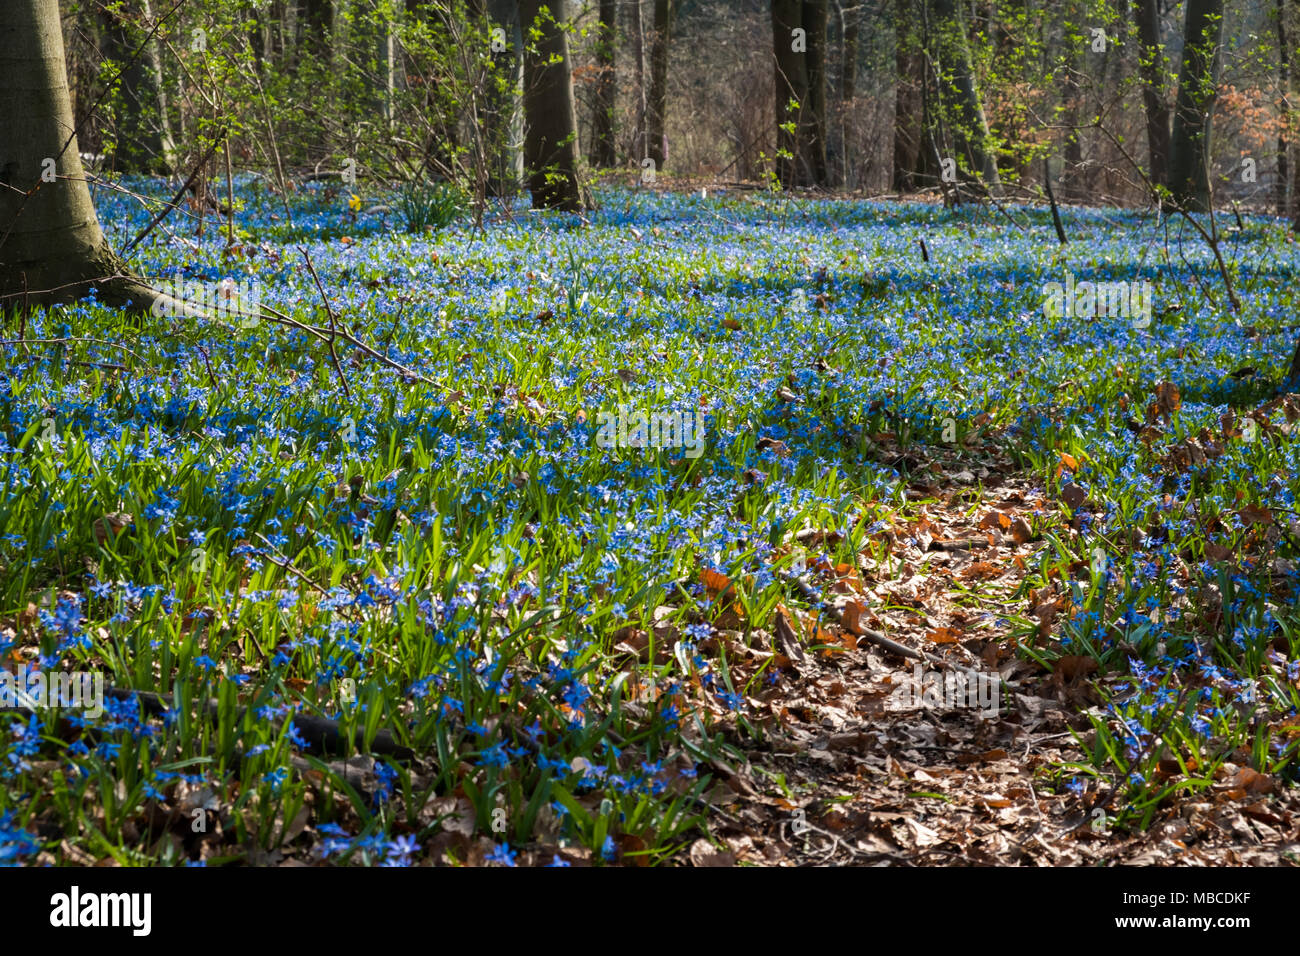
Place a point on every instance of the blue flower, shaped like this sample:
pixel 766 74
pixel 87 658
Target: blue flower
pixel 502 854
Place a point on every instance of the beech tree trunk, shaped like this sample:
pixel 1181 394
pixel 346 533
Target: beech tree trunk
pixel 603 153
pixel 51 245
pixel 658 99
pixel 1150 66
pixel 1189 146
pixel 959 101
pixel 551 137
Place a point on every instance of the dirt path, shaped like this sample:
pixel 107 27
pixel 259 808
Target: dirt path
pixel 872 759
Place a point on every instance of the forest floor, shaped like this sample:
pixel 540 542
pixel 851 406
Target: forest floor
pixel 707 528
pixel 864 769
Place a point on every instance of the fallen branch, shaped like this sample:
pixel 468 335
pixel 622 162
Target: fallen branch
pixel 321 734
pixel 875 637
pixel 1051 198
pixel 334 356
pixel 174 204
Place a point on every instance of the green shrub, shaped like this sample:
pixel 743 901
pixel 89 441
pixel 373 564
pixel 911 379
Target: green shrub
pixel 424 205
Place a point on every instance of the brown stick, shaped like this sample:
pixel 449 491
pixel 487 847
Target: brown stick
pixel 334 356
pixel 179 193
pixel 875 637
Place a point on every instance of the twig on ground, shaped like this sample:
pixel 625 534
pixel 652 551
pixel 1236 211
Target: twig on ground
pixel 334 356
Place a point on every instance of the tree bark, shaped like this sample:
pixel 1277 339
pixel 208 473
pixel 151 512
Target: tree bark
pixel 959 99
pixel 814 23
pixel 909 76
pixel 658 105
pixel 551 137
pixel 1284 106
pixel 1189 148
pixel 142 128
pixel 51 246
pixel 504 119
pixel 792 165
pixel 638 79
pixel 1150 66
pixel 603 152
pixel 1295 167
pixel 849 25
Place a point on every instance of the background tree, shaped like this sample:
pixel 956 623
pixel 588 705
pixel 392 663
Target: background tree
pixel 909 81
pixel 962 123
pixel 51 246
pixel 315 26
pixel 551 137
pixel 603 151
pixel 503 116
pixel 815 15
pixel 1151 60
pixel 1189 147
pixel 799 50
pixel 658 97
pixel 142 133
pixel 640 108
pixel 850 17
pixel 1284 108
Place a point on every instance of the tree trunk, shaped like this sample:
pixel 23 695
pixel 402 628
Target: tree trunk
pixel 1189 147
pixel 959 100
pixel 551 137
pixel 1151 67
pixel 315 24
pixel 503 112
pixel 656 147
pixel 142 131
pixel 849 21
pixel 1284 106
pixel 639 98
pixel 792 166
pixel 50 241
pixel 1071 170
pixel 909 76
pixel 603 152
pixel 814 23
pixel 1295 167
